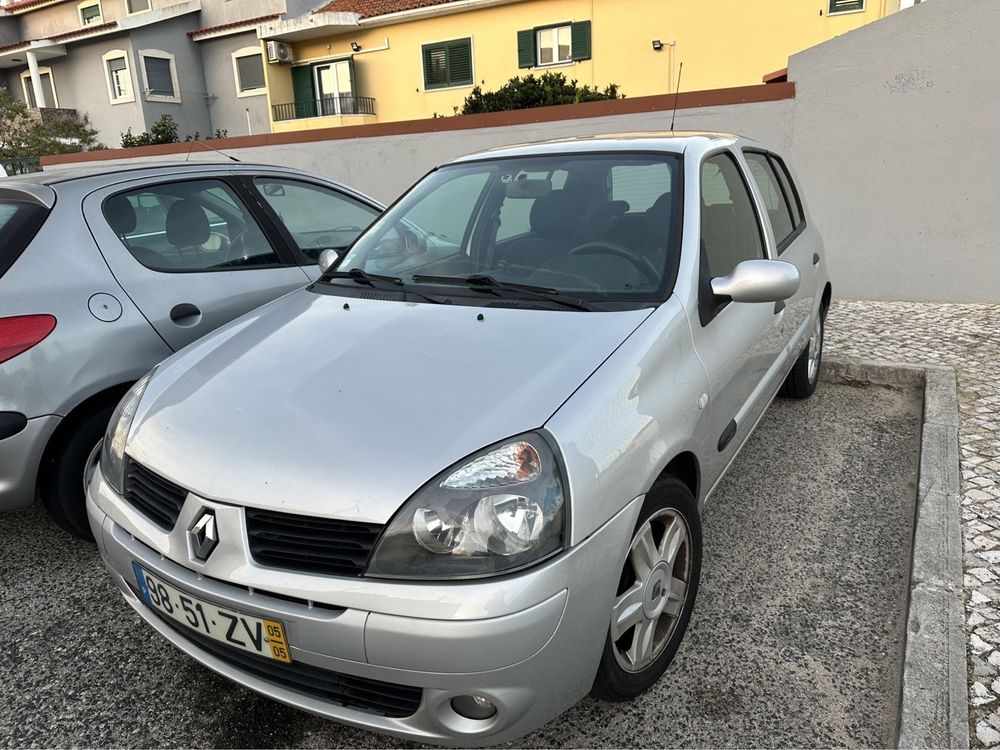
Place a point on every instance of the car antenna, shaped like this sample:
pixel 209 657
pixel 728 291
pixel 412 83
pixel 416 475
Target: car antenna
pixel 203 143
pixel 677 90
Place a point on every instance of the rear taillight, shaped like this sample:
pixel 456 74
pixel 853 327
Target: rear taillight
pixel 20 333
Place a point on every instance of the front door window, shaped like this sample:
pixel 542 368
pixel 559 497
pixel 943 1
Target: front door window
pixel 335 88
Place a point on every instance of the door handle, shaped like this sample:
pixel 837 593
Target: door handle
pixel 815 259
pixel 779 306
pixel 185 315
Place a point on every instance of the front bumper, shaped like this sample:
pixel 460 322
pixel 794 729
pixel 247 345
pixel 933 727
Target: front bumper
pixel 529 643
pixel 20 456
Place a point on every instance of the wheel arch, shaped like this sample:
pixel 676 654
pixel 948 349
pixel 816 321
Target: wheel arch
pixel 685 467
pixel 85 409
pixel 827 296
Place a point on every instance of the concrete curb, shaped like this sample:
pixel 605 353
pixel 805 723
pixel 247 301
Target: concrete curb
pixel 934 711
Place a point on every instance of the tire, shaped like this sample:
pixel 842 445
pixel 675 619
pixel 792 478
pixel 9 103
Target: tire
pixel 61 476
pixel 803 377
pixel 669 506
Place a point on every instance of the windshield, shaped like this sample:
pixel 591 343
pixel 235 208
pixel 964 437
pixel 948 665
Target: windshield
pixel 601 228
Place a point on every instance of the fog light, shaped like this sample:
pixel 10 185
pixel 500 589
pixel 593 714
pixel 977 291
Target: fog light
pixel 473 707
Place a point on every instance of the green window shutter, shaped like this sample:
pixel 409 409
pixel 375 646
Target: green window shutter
pixel 302 88
pixel 435 66
pixel 460 62
pixel 581 40
pixel 844 6
pixel 526 55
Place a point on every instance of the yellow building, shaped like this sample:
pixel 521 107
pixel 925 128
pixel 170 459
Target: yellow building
pixel 363 61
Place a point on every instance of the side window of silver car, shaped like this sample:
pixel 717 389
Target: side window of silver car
pixel 730 228
pixel 194 225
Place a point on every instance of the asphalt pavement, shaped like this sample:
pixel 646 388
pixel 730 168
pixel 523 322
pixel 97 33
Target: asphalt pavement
pixel 796 638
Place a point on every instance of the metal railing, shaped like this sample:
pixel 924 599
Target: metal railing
pixel 22 165
pixel 324 107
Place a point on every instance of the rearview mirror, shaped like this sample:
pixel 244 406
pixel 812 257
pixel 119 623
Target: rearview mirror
pixel 758 281
pixel 528 188
pixel 327 259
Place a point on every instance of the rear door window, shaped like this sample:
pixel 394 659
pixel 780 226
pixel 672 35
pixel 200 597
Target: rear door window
pixel 189 226
pixel 19 222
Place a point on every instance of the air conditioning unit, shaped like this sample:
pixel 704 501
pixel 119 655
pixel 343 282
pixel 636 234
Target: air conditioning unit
pixel 279 52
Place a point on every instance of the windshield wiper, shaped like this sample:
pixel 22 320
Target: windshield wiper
pixel 378 281
pixel 487 283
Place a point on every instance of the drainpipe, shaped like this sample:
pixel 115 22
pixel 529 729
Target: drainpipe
pixel 36 79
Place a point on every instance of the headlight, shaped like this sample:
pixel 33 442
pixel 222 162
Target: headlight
pixel 499 510
pixel 113 449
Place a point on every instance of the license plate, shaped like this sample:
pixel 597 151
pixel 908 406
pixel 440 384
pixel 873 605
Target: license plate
pixel 258 636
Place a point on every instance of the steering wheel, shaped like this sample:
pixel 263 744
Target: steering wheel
pixel 237 248
pixel 603 247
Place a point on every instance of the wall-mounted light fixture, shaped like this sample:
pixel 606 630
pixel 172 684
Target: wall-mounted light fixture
pixel 355 47
pixel 657 45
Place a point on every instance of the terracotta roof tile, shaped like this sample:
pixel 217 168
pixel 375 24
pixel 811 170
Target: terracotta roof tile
pixel 22 4
pixel 369 8
pixel 234 25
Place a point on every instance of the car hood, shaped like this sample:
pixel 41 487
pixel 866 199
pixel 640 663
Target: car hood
pixel 344 407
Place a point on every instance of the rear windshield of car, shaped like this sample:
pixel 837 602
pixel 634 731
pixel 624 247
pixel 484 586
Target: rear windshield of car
pixel 19 221
pixel 599 227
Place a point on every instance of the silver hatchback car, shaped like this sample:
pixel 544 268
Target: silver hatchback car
pixel 106 271
pixel 454 486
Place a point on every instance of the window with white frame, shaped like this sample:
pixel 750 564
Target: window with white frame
pixel 159 73
pixel 48 89
pixel 248 72
pixel 118 76
pixel 554 45
pixel 90 13
pixel 136 6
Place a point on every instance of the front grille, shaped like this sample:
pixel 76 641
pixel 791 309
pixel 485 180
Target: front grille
pixel 384 698
pixel 152 495
pixel 313 545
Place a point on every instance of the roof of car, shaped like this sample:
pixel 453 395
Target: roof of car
pixel 118 171
pixel 668 141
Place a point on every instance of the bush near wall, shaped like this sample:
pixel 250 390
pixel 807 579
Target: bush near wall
pixel 535 91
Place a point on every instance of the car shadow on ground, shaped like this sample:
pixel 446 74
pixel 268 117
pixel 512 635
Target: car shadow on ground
pixel 796 637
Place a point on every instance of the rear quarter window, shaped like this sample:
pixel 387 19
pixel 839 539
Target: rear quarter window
pixel 19 222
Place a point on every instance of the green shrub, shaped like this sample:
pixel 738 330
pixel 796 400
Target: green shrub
pixel 535 91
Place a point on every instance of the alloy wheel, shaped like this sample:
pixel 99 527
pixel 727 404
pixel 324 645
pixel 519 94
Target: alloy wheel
pixel 653 590
pixel 815 349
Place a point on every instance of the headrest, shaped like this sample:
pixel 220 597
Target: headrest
pixel 120 215
pixel 553 215
pixel 605 217
pixel 187 224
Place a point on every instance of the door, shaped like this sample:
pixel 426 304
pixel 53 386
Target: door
pixel 335 88
pixel 189 253
pixel 791 243
pixel 739 343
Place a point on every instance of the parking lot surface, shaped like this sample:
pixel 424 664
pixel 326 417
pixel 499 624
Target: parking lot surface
pixel 796 637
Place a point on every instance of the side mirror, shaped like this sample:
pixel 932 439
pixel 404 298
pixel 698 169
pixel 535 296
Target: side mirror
pixel 327 259
pixel 758 281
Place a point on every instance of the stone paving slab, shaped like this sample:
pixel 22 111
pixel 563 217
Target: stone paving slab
pixel 966 338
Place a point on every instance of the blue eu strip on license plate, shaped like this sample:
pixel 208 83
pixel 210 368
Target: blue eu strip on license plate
pixel 140 580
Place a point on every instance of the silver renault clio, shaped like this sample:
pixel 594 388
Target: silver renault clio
pixel 454 486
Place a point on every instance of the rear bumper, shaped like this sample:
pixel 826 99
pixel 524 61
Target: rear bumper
pixel 20 456
pixel 533 655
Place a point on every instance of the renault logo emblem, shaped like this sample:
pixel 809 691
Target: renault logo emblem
pixel 204 535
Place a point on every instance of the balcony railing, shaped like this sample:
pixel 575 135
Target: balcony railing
pixel 324 107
